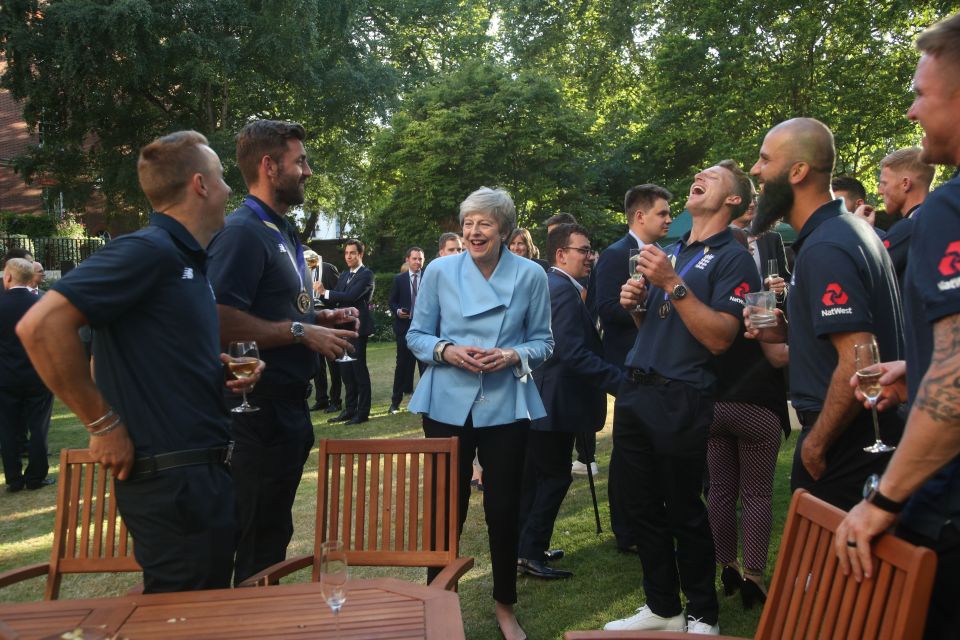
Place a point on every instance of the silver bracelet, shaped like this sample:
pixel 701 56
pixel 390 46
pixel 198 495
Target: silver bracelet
pixel 107 429
pixel 102 418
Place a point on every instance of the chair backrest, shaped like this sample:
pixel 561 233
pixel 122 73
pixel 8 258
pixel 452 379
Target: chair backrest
pixel 391 502
pixel 811 598
pixel 89 536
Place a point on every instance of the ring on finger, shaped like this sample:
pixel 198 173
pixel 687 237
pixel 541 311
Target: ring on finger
pixel 852 544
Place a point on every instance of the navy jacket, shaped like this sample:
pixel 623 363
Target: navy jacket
pixel 356 290
pixel 574 383
pixel 400 298
pixel 16 370
pixel 619 330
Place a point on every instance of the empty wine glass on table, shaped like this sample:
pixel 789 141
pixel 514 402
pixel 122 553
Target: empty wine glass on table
pixel 633 270
pixel 333 577
pixel 868 382
pixel 244 360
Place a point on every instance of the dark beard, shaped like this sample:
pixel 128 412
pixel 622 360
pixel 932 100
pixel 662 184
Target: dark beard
pixel 773 203
pixel 289 193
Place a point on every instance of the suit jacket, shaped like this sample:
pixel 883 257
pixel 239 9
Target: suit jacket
pixel 401 298
pixel 510 310
pixel 619 331
pixel 16 370
pixel 770 246
pixel 355 290
pixel 574 383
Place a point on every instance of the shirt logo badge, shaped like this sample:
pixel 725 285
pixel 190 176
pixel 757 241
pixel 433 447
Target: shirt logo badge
pixel 950 263
pixel 187 274
pixel 742 289
pixel 283 249
pixel 886 244
pixel 834 295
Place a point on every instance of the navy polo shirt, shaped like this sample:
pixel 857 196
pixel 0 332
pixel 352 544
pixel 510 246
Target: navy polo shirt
pixel 156 336
pixel 842 281
pixel 932 292
pixel 251 270
pixel 719 278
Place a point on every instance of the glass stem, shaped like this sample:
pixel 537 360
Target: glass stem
pixel 876 424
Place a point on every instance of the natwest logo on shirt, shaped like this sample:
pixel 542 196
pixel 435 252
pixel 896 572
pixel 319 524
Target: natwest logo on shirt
pixel 833 297
pixel 950 263
pixel 741 289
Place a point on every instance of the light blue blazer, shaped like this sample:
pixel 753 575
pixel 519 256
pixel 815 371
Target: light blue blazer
pixel 510 310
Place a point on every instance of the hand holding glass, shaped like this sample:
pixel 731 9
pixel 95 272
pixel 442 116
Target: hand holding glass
pixel 345 357
pixel 772 268
pixel 333 577
pixel 760 307
pixel 244 360
pixel 635 273
pixel 868 382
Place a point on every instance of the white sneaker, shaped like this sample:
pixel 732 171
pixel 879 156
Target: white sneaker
pixel 646 620
pixel 694 625
pixel 580 469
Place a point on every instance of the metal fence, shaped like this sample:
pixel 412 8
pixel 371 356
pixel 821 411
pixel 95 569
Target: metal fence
pixel 54 253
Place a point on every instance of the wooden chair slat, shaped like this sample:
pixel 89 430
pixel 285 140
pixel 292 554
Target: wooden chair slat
pixel 359 525
pixel 388 503
pixel 373 503
pixel 346 506
pixel 85 507
pixel 401 503
pixel 97 541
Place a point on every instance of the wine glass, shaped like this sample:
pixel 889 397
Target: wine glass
pixel 868 382
pixel 333 577
pixel 244 360
pixel 634 271
pixel 346 357
pixel 772 268
pixel 482 397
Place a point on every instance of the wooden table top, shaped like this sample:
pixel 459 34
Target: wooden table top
pixel 376 608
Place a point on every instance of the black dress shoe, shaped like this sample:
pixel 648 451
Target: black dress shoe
pixel 333 408
pixel 343 417
pixel 357 420
pixel 731 580
pixel 553 554
pixel 317 406
pixel 537 569
pixel 46 482
pixel 751 593
pixel 394 408
pixel 13 488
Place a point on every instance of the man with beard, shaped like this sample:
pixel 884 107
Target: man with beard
pixel 263 291
pixel 663 411
pixel 923 479
pixel 843 293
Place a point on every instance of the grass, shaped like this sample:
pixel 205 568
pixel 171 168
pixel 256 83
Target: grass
pixel 606 584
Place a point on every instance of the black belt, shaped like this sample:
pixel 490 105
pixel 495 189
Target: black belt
pixel 808 418
pixel 649 379
pixel 293 392
pixel 151 465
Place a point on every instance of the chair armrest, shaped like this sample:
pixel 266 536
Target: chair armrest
pixel 448 577
pixel 272 574
pixel 24 573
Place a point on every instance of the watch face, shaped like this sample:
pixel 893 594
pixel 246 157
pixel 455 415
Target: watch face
pixel 871 485
pixel 679 291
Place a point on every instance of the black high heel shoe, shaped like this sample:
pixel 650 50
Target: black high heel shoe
pixel 750 593
pixel 731 580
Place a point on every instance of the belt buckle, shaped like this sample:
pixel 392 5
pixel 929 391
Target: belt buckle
pixel 229 455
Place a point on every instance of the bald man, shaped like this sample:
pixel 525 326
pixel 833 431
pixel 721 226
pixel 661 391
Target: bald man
pixel 832 309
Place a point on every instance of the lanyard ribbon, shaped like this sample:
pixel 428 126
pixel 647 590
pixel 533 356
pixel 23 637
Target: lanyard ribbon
pixel 687 266
pixel 299 266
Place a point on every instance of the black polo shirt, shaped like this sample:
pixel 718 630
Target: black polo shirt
pixel 251 271
pixel 156 336
pixel 932 292
pixel 842 281
pixel 719 277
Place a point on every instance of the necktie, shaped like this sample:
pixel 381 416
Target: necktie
pixel 413 290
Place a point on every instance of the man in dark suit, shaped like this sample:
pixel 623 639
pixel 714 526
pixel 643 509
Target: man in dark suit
pixel 355 289
pixel 327 275
pixel 25 403
pixel 403 298
pixel 647 210
pixel 573 385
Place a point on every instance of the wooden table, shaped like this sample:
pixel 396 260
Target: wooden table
pixel 377 608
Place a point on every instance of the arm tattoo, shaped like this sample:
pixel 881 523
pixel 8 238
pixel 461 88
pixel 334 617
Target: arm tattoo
pixel 939 394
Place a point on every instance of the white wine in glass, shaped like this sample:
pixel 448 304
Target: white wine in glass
pixel 333 577
pixel 869 372
pixel 633 270
pixel 244 359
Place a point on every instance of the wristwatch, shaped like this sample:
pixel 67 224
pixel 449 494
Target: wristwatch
pixel 871 493
pixel 438 350
pixel 297 330
pixel 679 292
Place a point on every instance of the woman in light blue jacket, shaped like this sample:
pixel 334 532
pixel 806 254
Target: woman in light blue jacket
pixel 482 320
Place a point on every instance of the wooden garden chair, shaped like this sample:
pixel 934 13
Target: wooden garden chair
pixel 88 535
pixel 810 597
pixel 391 502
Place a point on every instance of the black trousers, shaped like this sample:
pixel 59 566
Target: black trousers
pixel 546 478
pixel 501 450
pixel 23 411
pixel 660 447
pixel 403 373
pixel 943 617
pixel 184 523
pixel 586 445
pixel 320 381
pixel 356 378
pixel 270 449
pixel 848 465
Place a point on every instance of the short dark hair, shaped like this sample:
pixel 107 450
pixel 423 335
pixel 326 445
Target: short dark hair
pixel 560 236
pixel 942 40
pixel 851 185
pixel 643 195
pixel 264 138
pixel 447 237
pixel 560 218
pixel 742 186
pixel 16 252
pixel 168 164
pixel 354 242
pixel 410 250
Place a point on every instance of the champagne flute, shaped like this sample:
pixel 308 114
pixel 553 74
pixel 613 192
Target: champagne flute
pixel 635 273
pixel 333 577
pixel 244 360
pixel 772 268
pixel 346 357
pixel 868 382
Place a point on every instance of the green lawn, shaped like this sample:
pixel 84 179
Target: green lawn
pixel 606 584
